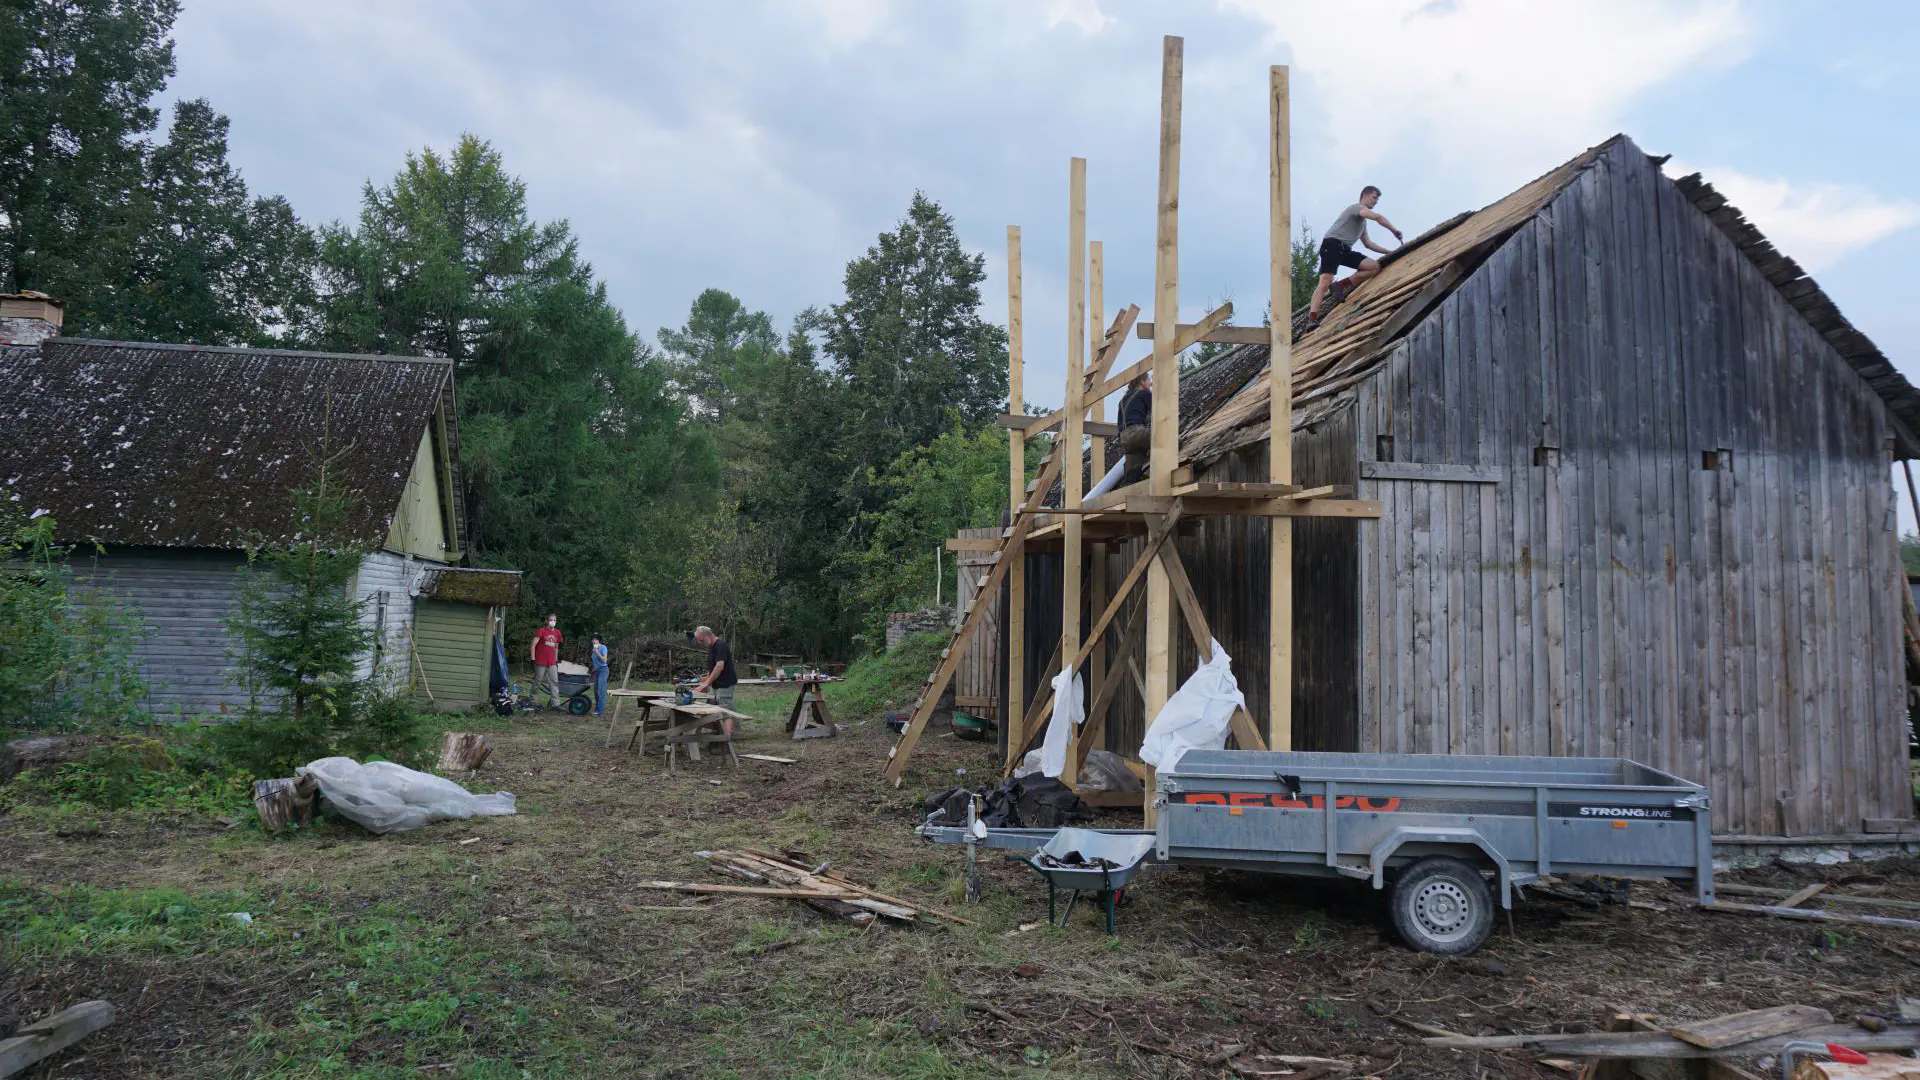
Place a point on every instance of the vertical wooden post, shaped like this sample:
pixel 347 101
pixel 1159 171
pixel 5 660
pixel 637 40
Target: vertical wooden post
pixel 1013 711
pixel 1097 571
pixel 1165 455
pixel 1280 423
pixel 1073 472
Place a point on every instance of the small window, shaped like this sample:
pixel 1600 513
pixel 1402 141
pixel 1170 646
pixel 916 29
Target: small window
pixel 1383 448
pixel 1546 457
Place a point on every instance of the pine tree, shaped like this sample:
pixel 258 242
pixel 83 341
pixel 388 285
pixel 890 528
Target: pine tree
pixel 570 438
pixel 908 342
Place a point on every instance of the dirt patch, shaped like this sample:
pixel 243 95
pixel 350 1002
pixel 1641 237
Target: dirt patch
pixel 542 920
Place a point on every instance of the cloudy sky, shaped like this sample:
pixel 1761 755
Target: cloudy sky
pixel 757 146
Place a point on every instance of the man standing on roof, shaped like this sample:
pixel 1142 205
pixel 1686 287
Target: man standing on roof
pixel 1336 250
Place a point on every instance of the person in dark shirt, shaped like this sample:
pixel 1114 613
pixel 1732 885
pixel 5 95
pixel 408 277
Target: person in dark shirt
pixel 720 676
pixel 1135 438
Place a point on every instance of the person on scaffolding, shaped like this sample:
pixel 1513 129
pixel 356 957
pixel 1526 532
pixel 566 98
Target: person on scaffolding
pixel 1135 438
pixel 1336 249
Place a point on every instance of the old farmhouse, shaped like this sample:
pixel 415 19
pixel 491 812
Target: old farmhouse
pixel 1634 468
pixel 161 463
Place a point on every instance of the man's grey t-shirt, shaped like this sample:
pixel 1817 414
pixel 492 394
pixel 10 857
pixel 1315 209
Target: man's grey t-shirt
pixel 1348 227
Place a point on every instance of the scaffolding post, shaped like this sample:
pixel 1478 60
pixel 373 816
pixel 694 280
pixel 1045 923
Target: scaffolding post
pixel 1013 711
pixel 1097 458
pixel 1165 454
pixel 1073 425
pixel 1280 418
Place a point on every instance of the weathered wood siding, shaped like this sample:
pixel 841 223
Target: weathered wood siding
pixel 181 599
pixel 384 585
pixel 978 685
pixel 1687 557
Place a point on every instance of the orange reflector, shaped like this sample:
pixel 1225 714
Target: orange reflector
pixel 1236 811
pixel 1619 824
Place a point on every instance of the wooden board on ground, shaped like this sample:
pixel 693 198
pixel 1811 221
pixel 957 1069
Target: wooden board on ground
pixel 44 1038
pixel 1109 800
pixel 770 757
pixel 1654 1044
pixel 1743 1027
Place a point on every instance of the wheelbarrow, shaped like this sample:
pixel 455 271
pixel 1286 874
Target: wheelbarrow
pixel 1087 861
pixel 577 690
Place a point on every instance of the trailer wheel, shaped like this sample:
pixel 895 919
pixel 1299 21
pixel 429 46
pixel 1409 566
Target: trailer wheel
pixel 1442 905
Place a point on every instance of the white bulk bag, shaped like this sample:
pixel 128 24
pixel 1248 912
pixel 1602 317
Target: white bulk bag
pixel 383 797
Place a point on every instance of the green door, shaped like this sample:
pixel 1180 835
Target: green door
pixel 452 640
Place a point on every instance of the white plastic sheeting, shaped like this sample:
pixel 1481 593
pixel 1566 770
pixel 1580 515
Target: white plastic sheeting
pixel 1197 715
pixel 1068 711
pixel 383 797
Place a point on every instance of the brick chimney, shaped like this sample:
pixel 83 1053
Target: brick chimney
pixel 28 318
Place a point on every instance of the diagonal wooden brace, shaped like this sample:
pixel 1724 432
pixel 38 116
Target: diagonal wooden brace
pixel 1014 548
pixel 1156 541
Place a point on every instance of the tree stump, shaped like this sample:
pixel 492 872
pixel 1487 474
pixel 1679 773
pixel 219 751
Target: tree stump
pixel 286 801
pixel 464 752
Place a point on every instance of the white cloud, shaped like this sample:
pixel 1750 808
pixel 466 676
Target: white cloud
pixel 1816 224
pixel 1084 15
pixel 1499 88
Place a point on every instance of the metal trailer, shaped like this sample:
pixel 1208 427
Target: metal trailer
pixel 1435 827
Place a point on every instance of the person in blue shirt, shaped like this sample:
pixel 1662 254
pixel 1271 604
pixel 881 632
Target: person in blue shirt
pixel 598 658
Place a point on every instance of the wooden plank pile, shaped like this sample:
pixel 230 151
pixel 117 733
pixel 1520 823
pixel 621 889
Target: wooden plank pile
pixel 820 887
pixel 1634 1047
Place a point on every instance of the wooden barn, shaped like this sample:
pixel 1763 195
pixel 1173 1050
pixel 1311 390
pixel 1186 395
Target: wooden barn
pixel 160 463
pixel 1634 475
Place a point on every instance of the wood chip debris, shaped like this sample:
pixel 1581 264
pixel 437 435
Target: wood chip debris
pixel 821 888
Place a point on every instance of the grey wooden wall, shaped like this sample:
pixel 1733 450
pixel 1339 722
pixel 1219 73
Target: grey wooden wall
pixel 1686 552
pixel 383 585
pixel 182 599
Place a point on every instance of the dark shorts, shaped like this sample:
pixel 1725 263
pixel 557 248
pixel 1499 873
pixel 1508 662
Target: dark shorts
pixel 1334 255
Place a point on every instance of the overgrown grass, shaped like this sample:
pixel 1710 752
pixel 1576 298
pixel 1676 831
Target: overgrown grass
pixel 376 994
pixel 173 771
pixel 889 680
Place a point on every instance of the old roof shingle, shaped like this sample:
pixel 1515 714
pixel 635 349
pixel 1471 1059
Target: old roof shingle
pixel 188 446
pixel 1357 335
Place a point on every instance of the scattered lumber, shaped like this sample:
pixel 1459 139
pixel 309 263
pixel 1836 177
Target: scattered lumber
pixel 1826 898
pixel 1804 895
pixel 44 1038
pixel 1743 1027
pixel 1658 1044
pixel 1808 915
pixel 464 752
pixel 286 801
pixel 821 888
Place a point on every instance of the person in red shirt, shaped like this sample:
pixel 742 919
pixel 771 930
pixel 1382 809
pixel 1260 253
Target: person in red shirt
pixel 545 654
